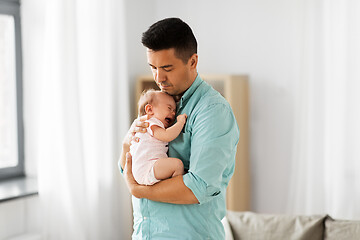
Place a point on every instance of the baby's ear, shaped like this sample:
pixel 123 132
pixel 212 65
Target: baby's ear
pixel 148 109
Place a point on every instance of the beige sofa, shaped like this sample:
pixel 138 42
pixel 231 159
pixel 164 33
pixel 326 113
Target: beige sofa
pixel 253 226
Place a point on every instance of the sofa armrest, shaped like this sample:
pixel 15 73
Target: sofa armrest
pixel 342 229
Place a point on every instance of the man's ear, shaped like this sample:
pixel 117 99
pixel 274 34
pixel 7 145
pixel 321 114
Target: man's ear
pixel 148 109
pixel 193 60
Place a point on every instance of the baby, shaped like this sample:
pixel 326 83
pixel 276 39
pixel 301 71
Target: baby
pixel 150 161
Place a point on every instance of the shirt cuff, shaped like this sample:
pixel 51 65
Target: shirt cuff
pixel 200 189
pixel 120 168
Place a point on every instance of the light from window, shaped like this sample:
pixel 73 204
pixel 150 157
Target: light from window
pixel 8 104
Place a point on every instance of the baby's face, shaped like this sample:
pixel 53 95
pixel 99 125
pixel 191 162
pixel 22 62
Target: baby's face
pixel 164 108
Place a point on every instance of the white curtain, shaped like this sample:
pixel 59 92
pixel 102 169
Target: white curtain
pixel 81 115
pixel 326 156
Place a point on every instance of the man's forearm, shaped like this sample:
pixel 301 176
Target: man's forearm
pixel 172 190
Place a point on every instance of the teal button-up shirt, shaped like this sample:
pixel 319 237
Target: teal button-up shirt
pixel 207 147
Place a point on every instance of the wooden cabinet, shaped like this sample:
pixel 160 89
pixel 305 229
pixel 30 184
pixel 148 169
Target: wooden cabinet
pixel 235 89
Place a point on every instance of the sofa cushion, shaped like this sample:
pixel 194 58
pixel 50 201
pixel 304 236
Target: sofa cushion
pixel 342 229
pixel 249 225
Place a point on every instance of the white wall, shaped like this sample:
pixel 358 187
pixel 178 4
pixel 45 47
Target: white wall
pixel 139 14
pixel 240 37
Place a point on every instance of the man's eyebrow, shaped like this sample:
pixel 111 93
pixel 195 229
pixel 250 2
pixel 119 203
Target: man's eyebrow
pixel 165 66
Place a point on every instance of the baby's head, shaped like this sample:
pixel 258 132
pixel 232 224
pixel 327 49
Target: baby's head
pixel 157 104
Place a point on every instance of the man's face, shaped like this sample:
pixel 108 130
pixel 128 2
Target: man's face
pixel 170 73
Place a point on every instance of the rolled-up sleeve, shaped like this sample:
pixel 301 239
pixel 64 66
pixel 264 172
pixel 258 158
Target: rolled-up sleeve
pixel 215 135
pixel 120 168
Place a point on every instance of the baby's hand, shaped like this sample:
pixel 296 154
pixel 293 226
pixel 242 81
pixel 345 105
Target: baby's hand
pixel 181 118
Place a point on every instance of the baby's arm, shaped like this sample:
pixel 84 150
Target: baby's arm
pixel 169 134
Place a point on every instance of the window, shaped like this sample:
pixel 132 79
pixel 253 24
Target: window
pixel 11 123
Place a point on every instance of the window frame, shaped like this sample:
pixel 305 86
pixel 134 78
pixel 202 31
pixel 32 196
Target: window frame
pixel 12 7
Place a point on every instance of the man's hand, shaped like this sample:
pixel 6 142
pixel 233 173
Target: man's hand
pixel 130 180
pixel 138 125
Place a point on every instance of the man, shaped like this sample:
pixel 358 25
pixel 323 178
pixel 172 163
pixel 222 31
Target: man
pixel 189 206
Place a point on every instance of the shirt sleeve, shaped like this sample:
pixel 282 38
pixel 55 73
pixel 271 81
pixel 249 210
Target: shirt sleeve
pixel 215 135
pixel 120 168
pixel 154 122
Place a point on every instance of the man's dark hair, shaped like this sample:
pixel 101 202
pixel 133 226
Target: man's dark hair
pixel 171 33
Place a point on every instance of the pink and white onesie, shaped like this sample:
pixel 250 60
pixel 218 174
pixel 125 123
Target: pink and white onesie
pixel 146 152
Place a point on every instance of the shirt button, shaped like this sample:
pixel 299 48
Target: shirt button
pixel 145 218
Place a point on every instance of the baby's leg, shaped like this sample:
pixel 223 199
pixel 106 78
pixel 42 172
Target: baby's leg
pixel 168 167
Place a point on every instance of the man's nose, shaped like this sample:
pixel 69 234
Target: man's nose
pixel 160 76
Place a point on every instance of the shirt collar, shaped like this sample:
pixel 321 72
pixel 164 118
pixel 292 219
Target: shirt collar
pixel 188 93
